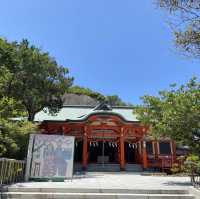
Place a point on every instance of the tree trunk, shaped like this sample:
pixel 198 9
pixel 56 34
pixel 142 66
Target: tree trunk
pixel 31 116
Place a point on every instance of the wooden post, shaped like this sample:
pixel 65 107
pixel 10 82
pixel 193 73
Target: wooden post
pixel 122 158
pixel 136 152
pixel 139 152
pixel 85 149
pixel 145 163
pixel 173 149
pixel 155 144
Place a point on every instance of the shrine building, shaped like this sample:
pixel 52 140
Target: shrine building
pixel 108 137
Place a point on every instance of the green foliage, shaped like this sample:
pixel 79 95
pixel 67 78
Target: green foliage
pixel 192 164
pixel 114 100
pixel 86 91
pixel 14 138
pixel 185 23
pixel 13 134
pixel 35 78
pixel 179 166
pixel 176 168
pixel 189 166
pixel 175 114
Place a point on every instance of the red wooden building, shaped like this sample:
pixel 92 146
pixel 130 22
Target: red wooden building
pixel 108 136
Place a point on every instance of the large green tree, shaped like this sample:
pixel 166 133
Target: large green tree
pixel 35 80
pixel 13 134
pixel 174 113
pixel 185 22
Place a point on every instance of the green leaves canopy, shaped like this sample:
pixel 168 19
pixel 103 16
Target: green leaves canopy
pixel 35 78
pixel 175 114
pixel 13 134
pixel 86 91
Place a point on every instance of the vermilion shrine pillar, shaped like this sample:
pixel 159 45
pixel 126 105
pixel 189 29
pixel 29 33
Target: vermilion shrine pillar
pixel 145 163
pixel 122 158
pixel 85 149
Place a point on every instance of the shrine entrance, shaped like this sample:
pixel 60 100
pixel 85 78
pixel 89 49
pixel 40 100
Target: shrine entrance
pixel 130 152
pixel 78 151
pixel 103 152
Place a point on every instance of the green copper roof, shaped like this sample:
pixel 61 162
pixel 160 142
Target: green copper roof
pixel 82 112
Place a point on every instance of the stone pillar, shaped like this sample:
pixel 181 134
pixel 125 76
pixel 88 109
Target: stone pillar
pixel 145 163
pixel 85 149
pixel 122 158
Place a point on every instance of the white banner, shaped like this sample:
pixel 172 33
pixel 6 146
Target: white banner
pixel 52 156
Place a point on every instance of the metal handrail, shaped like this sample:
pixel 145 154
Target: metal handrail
pixel 11 171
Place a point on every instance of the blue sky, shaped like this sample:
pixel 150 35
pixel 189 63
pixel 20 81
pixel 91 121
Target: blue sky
pixel 111 46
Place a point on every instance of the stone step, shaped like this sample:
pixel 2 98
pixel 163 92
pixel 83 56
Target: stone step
pixel 109 167
pixel 133 167
pixel 93 190
pixel 51 195
pixel 90 190
pixel 105 167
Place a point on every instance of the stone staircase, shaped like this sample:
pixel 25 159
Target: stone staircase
pixel 76 193
pixel 109 168
pixel 103 168
pixel 133 167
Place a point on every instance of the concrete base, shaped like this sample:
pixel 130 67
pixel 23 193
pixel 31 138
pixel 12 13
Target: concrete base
pixel 104 186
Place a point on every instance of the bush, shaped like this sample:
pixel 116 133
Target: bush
pixel 179 166
pixel 192 166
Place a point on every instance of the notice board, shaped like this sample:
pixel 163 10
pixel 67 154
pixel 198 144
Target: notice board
pixel 50 156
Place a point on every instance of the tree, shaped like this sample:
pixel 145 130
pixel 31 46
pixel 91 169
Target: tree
pixel 14 138
pixel 36 80
pixel 13 134
pixel 86 91
pixel 174 113
pixel 114 100
pixel 185 22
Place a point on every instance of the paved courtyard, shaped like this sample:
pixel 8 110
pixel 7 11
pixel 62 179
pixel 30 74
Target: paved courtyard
pixel 92 180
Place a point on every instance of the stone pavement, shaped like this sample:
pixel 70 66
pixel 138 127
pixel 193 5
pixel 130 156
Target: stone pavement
pixel 92 180
pixel 93 185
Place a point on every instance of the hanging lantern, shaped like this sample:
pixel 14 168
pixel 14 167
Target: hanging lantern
pixel 133 146
pixel 129 145
pixel 109 144
pixel 116 145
